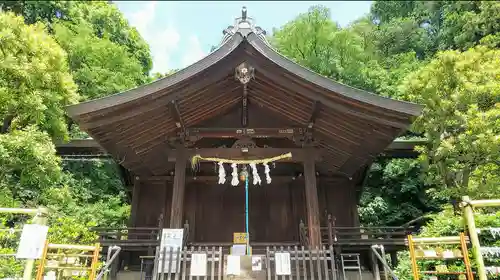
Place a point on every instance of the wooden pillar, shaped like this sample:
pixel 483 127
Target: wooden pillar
pixel 394 259
pixel 375 267
pixel 312 204
pixel 136 192
pixel 179 188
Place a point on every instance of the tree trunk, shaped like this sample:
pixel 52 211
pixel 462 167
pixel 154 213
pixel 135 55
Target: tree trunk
pixel 6 124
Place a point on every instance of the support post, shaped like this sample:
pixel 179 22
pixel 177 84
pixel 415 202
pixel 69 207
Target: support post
pixel 247 224
pixel 375 267
pixel 312 203
pixel 474 239
pixel 394 258
pixel 39 219
pixel 135 202
pixel 178 190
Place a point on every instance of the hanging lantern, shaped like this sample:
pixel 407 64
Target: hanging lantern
pixel 243 174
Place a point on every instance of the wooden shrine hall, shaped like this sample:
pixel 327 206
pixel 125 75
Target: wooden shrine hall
pixel 245 101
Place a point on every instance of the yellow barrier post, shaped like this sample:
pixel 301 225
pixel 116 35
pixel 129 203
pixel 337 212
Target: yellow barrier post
pixel 95 261
pixel 413 258
pixel 468 205
pixel 448 240
pixel 94 256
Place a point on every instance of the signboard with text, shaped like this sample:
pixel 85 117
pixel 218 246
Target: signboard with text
pixel 171 242
pixel 32 241
pixel 240 238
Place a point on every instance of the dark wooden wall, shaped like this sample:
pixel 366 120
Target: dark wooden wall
pixel 216 211
pixel 155 198
pixel 338 198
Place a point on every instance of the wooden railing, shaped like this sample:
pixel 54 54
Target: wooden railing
pixel 317 264
pixel 357 236
pixel 133 238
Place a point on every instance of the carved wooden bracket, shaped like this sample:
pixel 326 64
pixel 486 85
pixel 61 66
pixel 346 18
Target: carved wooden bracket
pixel 244 143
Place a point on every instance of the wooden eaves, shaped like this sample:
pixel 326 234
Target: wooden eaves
pixel 351 126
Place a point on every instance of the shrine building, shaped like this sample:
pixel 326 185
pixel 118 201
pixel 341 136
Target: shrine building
pixel 245 101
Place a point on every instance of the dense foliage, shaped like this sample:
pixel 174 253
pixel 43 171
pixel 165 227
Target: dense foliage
pixel 443 54
pixel 461 119
pixel 35 82
pixel 45 65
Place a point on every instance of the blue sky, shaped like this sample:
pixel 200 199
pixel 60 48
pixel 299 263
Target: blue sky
pixel 182 32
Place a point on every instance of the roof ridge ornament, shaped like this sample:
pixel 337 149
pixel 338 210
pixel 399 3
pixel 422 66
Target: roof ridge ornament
pixel 243 25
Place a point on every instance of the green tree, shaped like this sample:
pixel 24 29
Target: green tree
pixel 394 194
pixel 467 23
pixel 35 83
pixel 108 22
pixel 352 55
pixel 28 165
pixel 104 18
pixel 305 40
pixel 38 11
pixel 461 92
pixel 99 66
pixel 428 26
pixel 314 41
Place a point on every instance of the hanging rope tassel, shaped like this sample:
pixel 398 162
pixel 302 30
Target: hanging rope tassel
pixel 234 181
pixel 222 173
pixel 267 170
pixel 255 174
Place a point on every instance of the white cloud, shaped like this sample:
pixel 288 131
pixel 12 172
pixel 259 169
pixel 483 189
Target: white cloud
pixel 162 41
pixel 143 18
pixel 193 52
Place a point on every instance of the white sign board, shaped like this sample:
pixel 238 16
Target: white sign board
pixel 233 265
pixel 283 266
pixel 256 263
pixel 171 241
pixel 239 250
pixel 32 242
pixel 198 265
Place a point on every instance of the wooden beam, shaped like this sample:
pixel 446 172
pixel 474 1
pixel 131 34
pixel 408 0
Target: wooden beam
pixel 214 178
pixel 244 107
pixel 176 219
pixel 298 154
pixel 294 85
pixel 312 204
pixel 314 114
pixel 176 115
pixel 202 132
pixel 80 148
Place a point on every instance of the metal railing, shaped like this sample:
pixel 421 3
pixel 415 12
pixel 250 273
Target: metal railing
pixel 381 258
pixel 110 258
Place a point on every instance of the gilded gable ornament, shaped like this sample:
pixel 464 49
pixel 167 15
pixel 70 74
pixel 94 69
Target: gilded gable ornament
pixel 244 73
